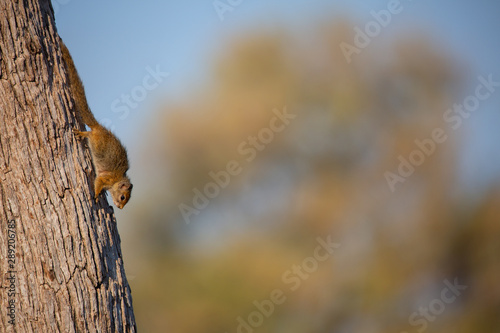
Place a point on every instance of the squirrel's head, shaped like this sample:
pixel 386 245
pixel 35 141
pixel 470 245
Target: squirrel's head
pixel 121 192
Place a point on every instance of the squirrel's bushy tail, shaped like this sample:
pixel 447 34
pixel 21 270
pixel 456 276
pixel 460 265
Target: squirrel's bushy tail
pixel 77 89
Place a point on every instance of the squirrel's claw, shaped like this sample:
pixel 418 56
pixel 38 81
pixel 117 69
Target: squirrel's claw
pixel 77 133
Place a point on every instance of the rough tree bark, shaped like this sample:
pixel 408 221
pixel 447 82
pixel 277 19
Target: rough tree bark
pixel 61 267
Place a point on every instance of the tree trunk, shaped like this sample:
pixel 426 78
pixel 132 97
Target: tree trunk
pixel 61 266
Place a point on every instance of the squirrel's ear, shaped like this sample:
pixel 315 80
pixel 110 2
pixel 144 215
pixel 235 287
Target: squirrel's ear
pixel 127 186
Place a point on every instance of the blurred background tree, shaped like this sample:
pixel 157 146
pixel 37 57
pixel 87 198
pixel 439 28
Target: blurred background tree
pixel 322 175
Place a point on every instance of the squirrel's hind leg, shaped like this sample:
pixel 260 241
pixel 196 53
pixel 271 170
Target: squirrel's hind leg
pixel 81 134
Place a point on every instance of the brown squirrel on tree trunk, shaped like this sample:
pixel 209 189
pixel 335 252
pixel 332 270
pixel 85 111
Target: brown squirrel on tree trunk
pixel 108 153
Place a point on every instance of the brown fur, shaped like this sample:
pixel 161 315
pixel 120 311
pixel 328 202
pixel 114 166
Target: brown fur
pixel 108 153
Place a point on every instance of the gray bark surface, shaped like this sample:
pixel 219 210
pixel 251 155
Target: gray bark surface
pixel 60 256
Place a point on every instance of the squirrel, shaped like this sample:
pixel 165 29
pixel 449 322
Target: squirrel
pixel 108 153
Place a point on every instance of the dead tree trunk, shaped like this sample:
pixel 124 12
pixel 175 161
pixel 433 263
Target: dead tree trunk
pixel 61 267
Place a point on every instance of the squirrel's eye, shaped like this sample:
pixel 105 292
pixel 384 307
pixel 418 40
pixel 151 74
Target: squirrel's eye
pixel 122 198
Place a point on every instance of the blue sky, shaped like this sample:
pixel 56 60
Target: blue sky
pixel 114 42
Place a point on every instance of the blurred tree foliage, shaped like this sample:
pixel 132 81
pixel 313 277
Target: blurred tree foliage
pixel 322 175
